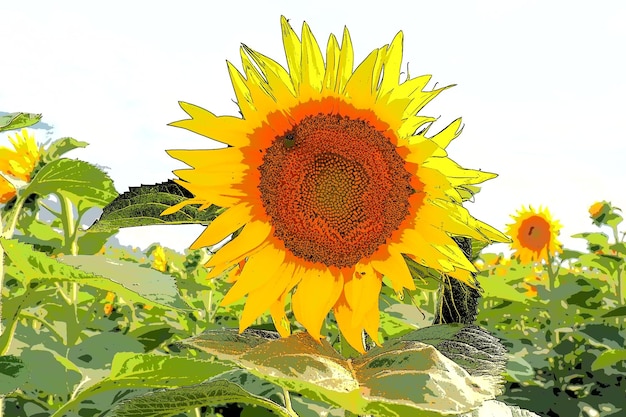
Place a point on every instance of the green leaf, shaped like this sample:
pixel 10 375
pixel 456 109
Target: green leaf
pixel 618 312
pixel 477 247
pixel 97 352
pixel 171 402
pixel 519 370
pixel 126 279
pixel 142 206
pixel 159 371
pixel 60 147
pixel 12 374
pixel 77 180
pixel 401 378
pixel 132 370
pixel 569 254
pixel 496 408
pixel 608 358
pixel 18 120
pixel 50 372
pixel 500 287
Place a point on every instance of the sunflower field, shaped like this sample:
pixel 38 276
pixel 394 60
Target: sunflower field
pixel 339 274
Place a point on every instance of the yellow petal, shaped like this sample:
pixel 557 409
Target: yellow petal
pixel 260 299
pixel 312 64
pixel 230 130
pixel 258 270
pixel 252 236
pixel 316 294
pixel 392 64
pixel 244 97
pixel 277 78
pixel 359 87
pixel 362 291
pixel 352 333
pixel 332 62
pixel 346 62
pixel 395 268
pixel 277 310
pixel 224 225
pixel 452 131
pixel 293 52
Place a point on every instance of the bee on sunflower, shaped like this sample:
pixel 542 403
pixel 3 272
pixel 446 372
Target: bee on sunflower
pixel 330 184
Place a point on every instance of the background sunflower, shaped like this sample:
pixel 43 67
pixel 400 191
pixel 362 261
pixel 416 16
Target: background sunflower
pixel 534 235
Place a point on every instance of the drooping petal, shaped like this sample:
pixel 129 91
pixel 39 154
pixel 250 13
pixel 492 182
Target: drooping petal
pixel 225 224
pixel 260 299
pixel 319 285
pixel 257 271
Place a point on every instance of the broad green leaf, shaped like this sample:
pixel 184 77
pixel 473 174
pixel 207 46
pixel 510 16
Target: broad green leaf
pixel 50 372
pixel 171 402
pixel 569 254
pixel 151 336
pixel 126 279
pixel 60 147
pixel 13 374
pixel 608 358
pixel 142 206
pixel 133 370
pixel 494 408
pixel 474 349
pixel 97 352
pixel 618 312
pixel 160 371
pixel 401 379
pixel 500 287
pixel 229 344
pixel 77 180
pixel 18 120
pixel 519 370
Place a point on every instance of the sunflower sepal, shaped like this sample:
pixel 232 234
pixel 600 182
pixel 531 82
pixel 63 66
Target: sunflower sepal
pixel 390 380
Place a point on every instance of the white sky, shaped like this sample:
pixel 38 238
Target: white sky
pixel 540 86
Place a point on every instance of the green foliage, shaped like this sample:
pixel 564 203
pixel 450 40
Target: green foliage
pixel 142 206
pixel 380 382
pixel 18 120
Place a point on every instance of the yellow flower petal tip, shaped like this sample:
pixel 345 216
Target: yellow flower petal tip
pixel 329 167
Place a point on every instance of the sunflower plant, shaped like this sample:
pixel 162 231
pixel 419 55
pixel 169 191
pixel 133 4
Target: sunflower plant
pixel 331 193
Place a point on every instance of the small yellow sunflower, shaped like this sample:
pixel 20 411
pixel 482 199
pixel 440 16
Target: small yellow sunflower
pixel 160 261
pixel 18 162
pixel 534 235
pixel 331 183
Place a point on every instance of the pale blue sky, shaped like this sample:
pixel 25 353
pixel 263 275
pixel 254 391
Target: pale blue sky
pixel 540 86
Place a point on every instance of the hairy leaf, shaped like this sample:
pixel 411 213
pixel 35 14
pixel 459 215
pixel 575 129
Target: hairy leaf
pixel 142 206
pixel 167 403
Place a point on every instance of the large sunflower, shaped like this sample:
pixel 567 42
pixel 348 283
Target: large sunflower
pixel 18 162
pixel 534 235
pixel 331 183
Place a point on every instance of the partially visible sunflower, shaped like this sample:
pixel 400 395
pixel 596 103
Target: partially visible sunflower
pixel 331 175
pixel 534 235
pixel 160 261
pixel 18 162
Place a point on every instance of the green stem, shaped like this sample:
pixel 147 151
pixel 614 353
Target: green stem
pixel 288 407
pixel 197 412
pixel 70 226
pixel 12 223
pixel 551 274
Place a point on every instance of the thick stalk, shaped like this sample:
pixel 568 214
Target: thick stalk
pixel 551 274
pixel 70 226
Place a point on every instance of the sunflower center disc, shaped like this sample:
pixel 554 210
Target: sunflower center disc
pixel 334 188
pixel 538 233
